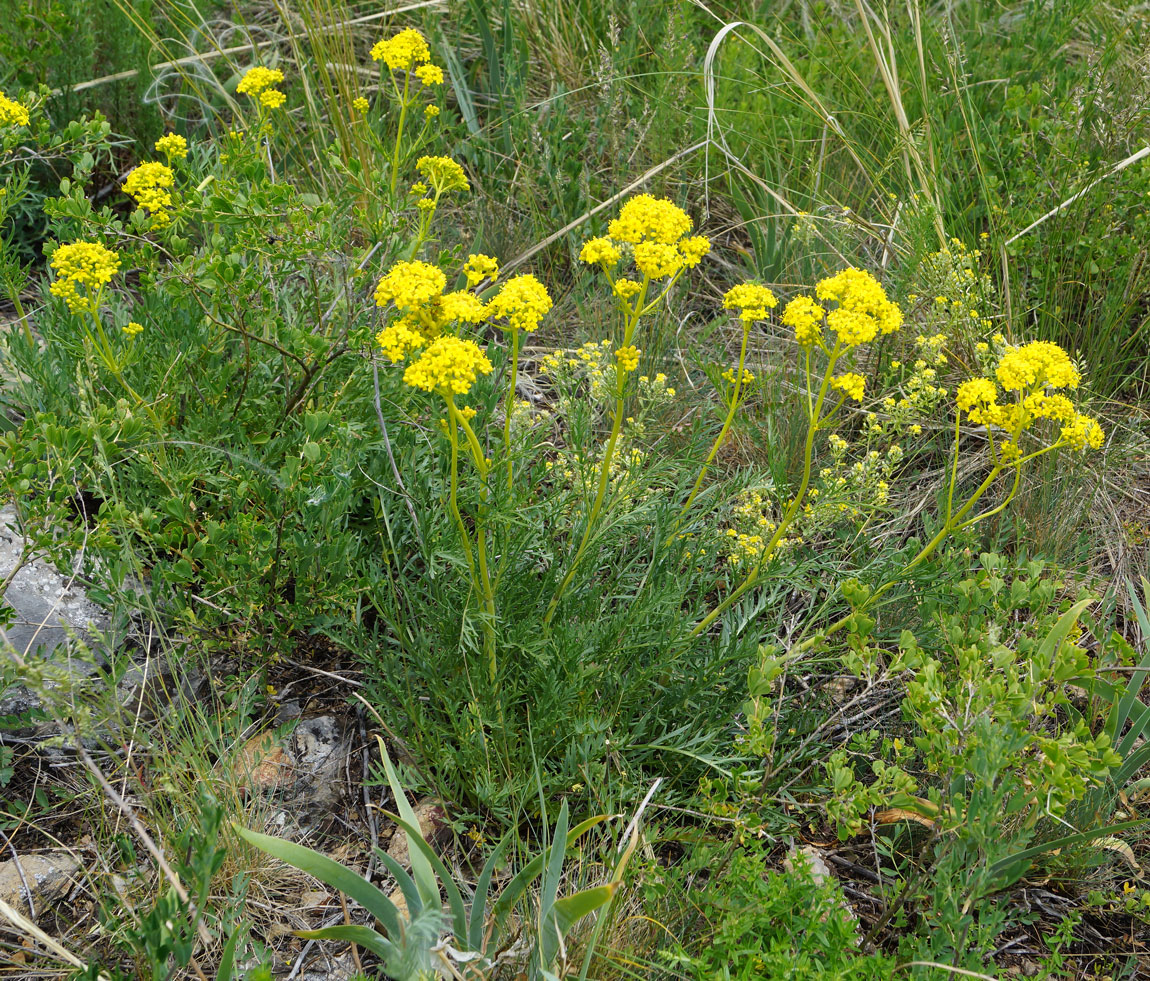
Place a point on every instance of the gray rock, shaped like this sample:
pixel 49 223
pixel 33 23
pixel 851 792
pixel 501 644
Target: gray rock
pixel 39 882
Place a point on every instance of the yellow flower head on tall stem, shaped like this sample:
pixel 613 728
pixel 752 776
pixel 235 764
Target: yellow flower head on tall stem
pixel 523 301
pixel 173 146
pixel 411 286
pixel 449 365
pixel 272 98
pixel 150 185
pixel 649 219
pixel 257 79
pixel 402 51
pixel 12 113
pixel 1038 363
pixel 852 385
pixel 805 318
pixel 479 267
pixel 600 251
pixel 863 310
pixel 82 264
pixel 429 74
pixel 753 301
pixel 443 174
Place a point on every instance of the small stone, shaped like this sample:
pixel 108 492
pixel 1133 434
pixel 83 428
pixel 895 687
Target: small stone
pixel 432 825
pixel 48 876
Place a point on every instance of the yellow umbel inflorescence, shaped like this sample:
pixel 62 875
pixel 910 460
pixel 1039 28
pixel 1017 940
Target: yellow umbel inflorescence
pixel 628 358
pixel 851 384
pixel 12 113
pixel 863 310
pixel 131 328
pixel 449 366
pixel 479 267
pixel 360 104
pixel 805 318
pixel 173 146
pixel 257 79
pixel 150 185
pixel 652 231
pixel 411 286
pixel 523 301
pixel 86 264
pixel 1034 372
pixel 402 51
pixel 751 300
pixel 429 74
pixel 272 98
pixel 443 174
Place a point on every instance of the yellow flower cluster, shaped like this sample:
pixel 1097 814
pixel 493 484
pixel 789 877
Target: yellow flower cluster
pixel 131 328
pixel 411 286
pixel 429 74
pixel 443 173
pixel 1031 371
pixel 479 267
pixel 257 80
pixel 360 104
pixel 751 300
pixel 863 310
pixel 449 366
pixel 729 376
pixel 12 113
pixel 628 358
pixel 402 51
pixel 653 231
pixel 173 146
pixel 1036 363
pixel 958 290
pixel 86 264
pixel 272 98
pixel 852 385
pixel 150 185
pixel 805 318
pixel 523 301
pixel 744 543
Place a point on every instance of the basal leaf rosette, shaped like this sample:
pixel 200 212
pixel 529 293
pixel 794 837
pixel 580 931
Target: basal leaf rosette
pixel 1026 389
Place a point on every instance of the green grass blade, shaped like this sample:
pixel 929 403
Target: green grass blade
pixel 361 935
pixel 454 898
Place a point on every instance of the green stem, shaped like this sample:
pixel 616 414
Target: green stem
pixel 483 580
pixel 399 129
pixel 734 406
pixel 511 408
pixel 631 320
pixel 792 508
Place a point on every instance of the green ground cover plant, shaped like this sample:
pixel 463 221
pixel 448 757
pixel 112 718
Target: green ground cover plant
pixel 649 419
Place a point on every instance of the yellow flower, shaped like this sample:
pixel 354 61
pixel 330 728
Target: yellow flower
pixel 648 219
pixel 173 146
pixel 863 308
pixel 431 111
pixel 149 184
pixel 461 306
pixel 1036 364
pixel 443 173
pixel 479 267
pixel 729 376
pixel 272 98
pixel 600 251
pixel 87 264
pixel 851 385
pixel 625 289
pixel 12 113
pixel 360 104
pixel 429 74
pixel 805 317
pixel 411 286
pixel 400 338
pixel 449 366
pixel 402 51
pixel 751 300
pixel 1083 433
pixel 523 300
pixel 693 250
pixel 131 328
pixel 257 79
pixel 657 260
pixel 975 395
pixel 628 357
